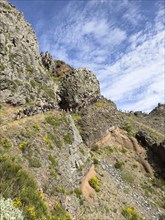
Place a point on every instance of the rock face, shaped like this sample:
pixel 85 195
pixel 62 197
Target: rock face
pixel 157 148
pixel 97 120
pixel 144 139
pixel 158 111
pixel 78 88
pixel 56 67
pixel 22 76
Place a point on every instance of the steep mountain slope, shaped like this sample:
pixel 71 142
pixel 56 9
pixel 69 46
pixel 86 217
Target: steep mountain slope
pixel 66 152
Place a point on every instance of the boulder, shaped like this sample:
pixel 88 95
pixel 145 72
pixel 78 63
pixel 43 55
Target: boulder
pixel 78 88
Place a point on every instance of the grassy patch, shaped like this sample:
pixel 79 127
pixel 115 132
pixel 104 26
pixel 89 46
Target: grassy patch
pixel 76 117
pixel 17 183
pixel 55 139
pixel 68 138
pixel 58 213
pixel 127 177
pixel 5 142
pixel 34 162
pixel 53 121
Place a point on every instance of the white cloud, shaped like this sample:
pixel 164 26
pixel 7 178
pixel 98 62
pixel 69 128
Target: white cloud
pixel 116 41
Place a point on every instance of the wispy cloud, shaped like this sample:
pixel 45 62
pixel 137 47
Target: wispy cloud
pixel 121 41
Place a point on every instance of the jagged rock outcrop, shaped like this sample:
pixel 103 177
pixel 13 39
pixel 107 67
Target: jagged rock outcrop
pixel 22 76
pixel 156 148
pixel 159 149
pixel 56 67
pixel 78 88
pixel 158 110
pixel 144 139
pixel 97 120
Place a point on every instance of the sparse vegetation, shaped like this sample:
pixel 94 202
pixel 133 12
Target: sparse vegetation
pixel 5 142
pixel 98 104
pixel 119 165
pixel 95 183
pixel 127 177
pixel 24 146
pixel 34 162
pixel 30 69
pixel 58 213
pixel 68 138
pixel 78 192
pixel 130 213
pixel 17 183
pixel 95 161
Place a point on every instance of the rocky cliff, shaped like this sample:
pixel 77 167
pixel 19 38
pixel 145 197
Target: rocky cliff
pixel 66 152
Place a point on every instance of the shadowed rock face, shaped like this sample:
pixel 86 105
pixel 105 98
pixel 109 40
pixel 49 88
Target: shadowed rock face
pixel 77 88
pixel 157 148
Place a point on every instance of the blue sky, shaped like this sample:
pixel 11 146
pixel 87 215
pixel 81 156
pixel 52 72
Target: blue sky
pixel 121 41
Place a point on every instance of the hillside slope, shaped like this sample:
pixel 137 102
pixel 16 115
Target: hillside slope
pixel 66 152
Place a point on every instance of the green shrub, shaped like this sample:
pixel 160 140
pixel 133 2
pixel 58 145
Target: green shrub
pixel 8 211
pixel 95 183
pixel 109 150
pixel 53 121
pixel 76 117
pixel 95 147
pixel 29 69
pixel 98 104
pixel 127 126
pixel 78 192
pixel 58 213
pixel 17 183
pixel 5 142
pixel 159 183
pixel 55 139
pixel 24 146
pixel 95 161
pixel 123 150
pixel 36 127
pixel 119 165
pixel 131 214
pixel 34 162
pixel 53 160
pixel 48 141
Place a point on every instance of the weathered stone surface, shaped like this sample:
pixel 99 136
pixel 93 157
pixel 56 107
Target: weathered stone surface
pixel 158 110
pixel 159 149
pixel 144 139
pixel 147 141
pixel 77 88
pixel 22 76
pixel 97 121
pixel 56 67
